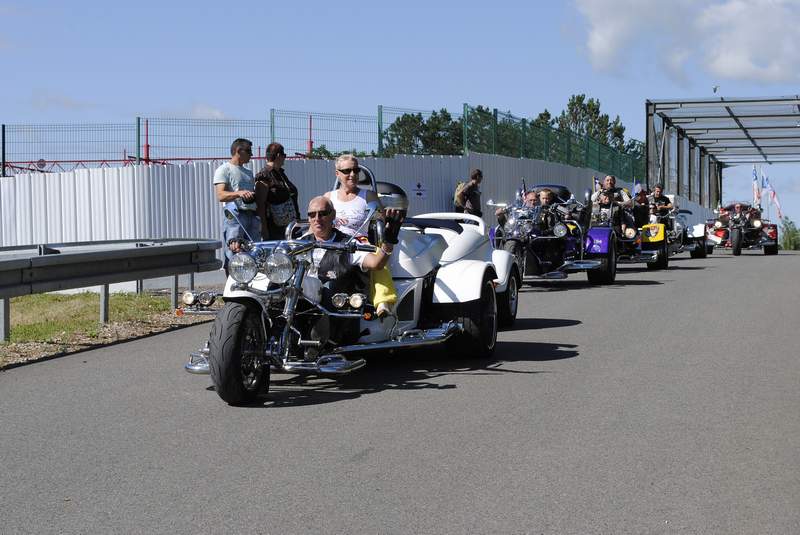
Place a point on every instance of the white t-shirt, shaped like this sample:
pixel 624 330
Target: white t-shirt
pixel 236 178
pixel 350 215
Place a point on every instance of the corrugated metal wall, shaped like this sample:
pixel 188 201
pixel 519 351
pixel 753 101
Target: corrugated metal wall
pixel 179 202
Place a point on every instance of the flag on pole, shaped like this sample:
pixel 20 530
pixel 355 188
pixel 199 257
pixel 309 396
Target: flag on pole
pixel 596 183
pixel 773 196
pixel 756 190
pixel 637 187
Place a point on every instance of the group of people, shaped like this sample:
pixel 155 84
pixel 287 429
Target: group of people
pixel 264 206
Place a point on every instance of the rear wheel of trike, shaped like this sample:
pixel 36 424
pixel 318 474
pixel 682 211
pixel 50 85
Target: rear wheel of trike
pixel 235 351
pixel 479 318
pixel 770 249
pixel 508 301
pixel 607 273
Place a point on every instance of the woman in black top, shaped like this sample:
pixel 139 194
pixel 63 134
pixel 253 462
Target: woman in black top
pixel 276 196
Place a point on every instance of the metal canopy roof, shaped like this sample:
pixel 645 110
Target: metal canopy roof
pixel 738 130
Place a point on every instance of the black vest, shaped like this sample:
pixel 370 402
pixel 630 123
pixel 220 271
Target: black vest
pixel 337 273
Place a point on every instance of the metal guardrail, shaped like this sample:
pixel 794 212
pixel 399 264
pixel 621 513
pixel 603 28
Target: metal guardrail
pixel 51 267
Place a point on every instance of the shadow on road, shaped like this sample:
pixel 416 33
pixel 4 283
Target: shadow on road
pixel 560 286
pixel 413 370
pixel 671 267
pixel 523 324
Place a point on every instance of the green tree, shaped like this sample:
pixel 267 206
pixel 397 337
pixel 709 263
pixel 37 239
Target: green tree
pixel 790 235
pixel 404 135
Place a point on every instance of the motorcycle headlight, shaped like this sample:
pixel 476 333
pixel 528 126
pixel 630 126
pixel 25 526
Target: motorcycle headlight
pixel 188 298
pixel 279 267
pixel 560 230
pixel 242 268
pixel 525 227
pixel 630 233
pixel 357 300
pixel 206 298
pixel 653 231
pixel 717 224
pixel 757 223
pixel 339 300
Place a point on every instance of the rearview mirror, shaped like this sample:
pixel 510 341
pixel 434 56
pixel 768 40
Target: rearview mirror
pixel 493 204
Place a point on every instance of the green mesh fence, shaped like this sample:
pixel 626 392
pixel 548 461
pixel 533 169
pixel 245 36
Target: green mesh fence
pixel 491 132
pixel 313 135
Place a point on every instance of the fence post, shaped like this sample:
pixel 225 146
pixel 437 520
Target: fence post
pixel 494 131
pixel 3 151
pixel 586 151
pixel 272 125
pixel 522 138
pixel 104 303
pixel 138 140
pixel 380 130
pixel 5 319
pixel 465 128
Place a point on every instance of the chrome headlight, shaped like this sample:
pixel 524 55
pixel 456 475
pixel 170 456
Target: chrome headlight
pixel 339 300
pixel 653 231
pixel 560 230
pixel 242 268
pixel 525 227
pixel 279 267
pixel 206 298
pixel 717 224
pixel 188 298
pixel 757 223
pixel 630 233
pixel 357 300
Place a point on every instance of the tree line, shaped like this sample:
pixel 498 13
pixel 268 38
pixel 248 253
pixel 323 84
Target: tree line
pixel 440 133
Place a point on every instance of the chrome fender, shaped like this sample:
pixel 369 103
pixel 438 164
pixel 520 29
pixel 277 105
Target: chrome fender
pixel 460 281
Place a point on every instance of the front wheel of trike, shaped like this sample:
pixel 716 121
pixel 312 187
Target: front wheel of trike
pixel 235 354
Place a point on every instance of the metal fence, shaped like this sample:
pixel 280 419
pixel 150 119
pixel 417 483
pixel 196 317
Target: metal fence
pixel 392 131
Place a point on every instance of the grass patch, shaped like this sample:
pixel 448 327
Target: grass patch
pixel 53 317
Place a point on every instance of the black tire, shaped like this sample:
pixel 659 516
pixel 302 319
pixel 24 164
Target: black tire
pixel 518 250
pixel 479 318
pixel 700 251
pixel 709 249
pixel 770 249
pixel 508 301
pixel 736 241
pixel 236 338
pixel 607 273
pixel 662 261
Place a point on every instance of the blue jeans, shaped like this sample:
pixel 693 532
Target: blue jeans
pixel 250 226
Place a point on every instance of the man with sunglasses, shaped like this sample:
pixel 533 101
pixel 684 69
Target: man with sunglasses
pixel 234 183
pixel 338 272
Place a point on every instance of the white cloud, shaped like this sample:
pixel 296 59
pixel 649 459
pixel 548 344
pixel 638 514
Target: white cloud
pixel 204 111
pixel 749 40
pixel 45 100
pixel 197 110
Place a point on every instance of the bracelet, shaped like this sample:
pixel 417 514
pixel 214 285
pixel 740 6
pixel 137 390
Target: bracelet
pixel 387 253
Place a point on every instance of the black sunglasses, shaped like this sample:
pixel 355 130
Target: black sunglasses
pixel 354 170
pixel 247 150
pixel 319 213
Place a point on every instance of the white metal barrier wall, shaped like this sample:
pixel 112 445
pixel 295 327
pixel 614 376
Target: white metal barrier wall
pixel 178 201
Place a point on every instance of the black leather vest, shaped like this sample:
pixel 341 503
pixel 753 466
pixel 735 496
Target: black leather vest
pixel 337 273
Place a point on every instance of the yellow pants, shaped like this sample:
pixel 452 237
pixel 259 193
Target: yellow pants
pixel 382 288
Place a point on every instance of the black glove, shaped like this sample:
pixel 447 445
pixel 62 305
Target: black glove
pixel 393 221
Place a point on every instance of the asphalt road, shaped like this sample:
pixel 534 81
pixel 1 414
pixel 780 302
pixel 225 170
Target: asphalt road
pixel 666 403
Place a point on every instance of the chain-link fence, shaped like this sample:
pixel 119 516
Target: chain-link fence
pixel 310 135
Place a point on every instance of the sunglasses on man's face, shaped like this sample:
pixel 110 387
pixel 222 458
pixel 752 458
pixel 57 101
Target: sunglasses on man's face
pixel 318 213
pixel 249 151
pixel 352 170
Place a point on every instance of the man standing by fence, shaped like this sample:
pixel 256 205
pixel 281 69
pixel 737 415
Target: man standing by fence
pixel 468 198
pixel 234 184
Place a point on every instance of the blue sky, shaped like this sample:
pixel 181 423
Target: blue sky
pixel 89 61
